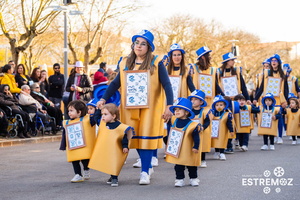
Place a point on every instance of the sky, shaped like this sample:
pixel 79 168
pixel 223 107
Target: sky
pixel 271 20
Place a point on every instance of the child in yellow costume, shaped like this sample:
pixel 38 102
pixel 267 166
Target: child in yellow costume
pixel 201 116
pixel 184 152
pixel 78 139
pixel 111 149
pixel 267 120
pixel 221 126
pixel 293 118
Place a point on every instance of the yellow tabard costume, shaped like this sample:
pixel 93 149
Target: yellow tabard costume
pixel 221 141
pixel 226 74
pixel 293 120
pixel 291 84
pixel 186 156
pixel 274 128
pixel 184 87
pixel 279 99
pixel 210 71
pixel 89 138
pixel 205 137
pixel 244 129
pixel 108 156
pixel 147 122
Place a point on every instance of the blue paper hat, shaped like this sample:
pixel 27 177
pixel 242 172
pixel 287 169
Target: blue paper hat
pixel 199 94
pixel 268 96
pixel 289 70
pixel 228 56
pixel 266 61
pixel 184 104
pixel 219 98
pixel 92 102
pixel 286 67
pixel 147 35
pixel 201 51
pixel 175 47
pixel 277 58
pixel 292 95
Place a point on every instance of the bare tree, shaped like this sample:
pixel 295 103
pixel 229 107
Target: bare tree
pixel 23 20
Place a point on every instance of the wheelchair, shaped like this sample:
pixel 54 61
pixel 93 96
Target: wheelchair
pixel 44 128
pixel 14 122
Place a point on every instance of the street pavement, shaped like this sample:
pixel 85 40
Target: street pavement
pixel 40 171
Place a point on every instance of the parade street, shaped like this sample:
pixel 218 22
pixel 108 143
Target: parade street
pixel 40 171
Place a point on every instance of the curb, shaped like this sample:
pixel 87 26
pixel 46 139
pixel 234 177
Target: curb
pixel 33 140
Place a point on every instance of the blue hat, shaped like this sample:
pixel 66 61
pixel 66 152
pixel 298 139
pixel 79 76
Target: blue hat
pixel 175 47
pixel 292 95
pixel 228 56
pixel 277 58
pixel 99 91
pixel 268 96
pixel 92 102
pixel 219 98
pixel 184 104
pixel 199 94
pixel 286 67
pixel 289 70
pixel 147 35
pixel 203 50
pixel 267 61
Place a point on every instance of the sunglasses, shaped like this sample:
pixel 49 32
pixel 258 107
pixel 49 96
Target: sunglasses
pixel 56 68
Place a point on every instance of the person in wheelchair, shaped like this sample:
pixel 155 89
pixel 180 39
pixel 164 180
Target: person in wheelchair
pixel 34 108
pixel 10 104
pixel 50 107
pixel 4 124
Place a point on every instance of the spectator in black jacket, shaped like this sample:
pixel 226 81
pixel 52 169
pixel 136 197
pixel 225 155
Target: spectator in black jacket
pixel 56 88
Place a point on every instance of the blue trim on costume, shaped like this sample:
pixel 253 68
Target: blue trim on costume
pixel 152 62
pixel 147 137
pixel 200 113
pixel 81 118
pixel 185 127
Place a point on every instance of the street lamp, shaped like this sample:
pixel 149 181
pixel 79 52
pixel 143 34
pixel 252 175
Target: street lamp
pixel 234 48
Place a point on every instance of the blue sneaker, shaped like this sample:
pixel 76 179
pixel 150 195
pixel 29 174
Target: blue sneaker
pixel 228 151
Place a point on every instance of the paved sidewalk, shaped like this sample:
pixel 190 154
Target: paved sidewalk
pixel 6 142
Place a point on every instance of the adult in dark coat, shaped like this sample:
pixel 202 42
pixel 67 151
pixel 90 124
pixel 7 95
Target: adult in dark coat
pixel 56 83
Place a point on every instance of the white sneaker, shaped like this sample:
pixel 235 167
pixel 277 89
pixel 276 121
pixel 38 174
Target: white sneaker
pixel 294 142
pixel 151 171
pixel 290 138
pixel 194 182
pixel 77 178
pixel 264 147
pixel 272 147
pixel 138 164
pixel 154 162
pixel 279 140
pixel 179 182
pixel 144 179
pixel 222 156
pixel 244 148
pixel 86 174
pixel 203 164
pixel 275 139
pixel 217 155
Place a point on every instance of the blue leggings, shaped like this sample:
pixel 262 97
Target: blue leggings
pixel 280 126
pixel 146 157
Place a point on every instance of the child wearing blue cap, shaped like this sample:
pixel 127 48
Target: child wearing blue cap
pixel 183 142
pixel 201 116
pixel 293 115
pixel 267 120
pixel 221 127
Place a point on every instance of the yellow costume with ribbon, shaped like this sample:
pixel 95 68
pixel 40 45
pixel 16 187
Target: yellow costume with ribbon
pixel 274 127
pixel 186 156
pixel 293 121
pixel 279 99
pixel 221 141
pixel 147 122
pixel 89 139
pixel 205 136
pixel 237 119
pixel 210 71
pixel 183 85
pixel 108 156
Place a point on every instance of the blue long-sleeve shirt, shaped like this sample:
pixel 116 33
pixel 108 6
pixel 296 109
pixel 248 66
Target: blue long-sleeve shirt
pixel 206 119
pixel 163 78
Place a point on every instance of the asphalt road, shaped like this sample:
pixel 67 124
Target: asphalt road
pixel 40 171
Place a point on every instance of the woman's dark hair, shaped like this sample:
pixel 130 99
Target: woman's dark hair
pixel 279 70
pixel 34 75
pixel 79 105
pixel 21 65
pixel 2 87
pixel 223 68
pixel 6 68
pixel 204 65
pixel 182 65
